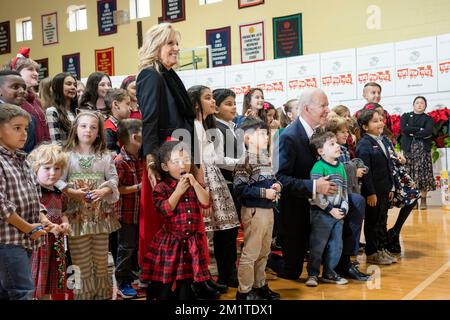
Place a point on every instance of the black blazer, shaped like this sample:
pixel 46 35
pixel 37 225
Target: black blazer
pixel 293 161
pixel 160 113
pixel 237 150
pixel 378 180
pixel 414 127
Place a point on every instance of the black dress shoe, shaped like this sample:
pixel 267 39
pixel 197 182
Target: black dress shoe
pixel 267 294
pixel 354 273
pixel 251 295
pixel 203 290
pixel 222 288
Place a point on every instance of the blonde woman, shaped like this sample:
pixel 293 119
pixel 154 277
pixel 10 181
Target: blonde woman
pixel 165 107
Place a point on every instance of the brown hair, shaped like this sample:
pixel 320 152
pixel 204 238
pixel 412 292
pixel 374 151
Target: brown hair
pixel 99 144
pixel 319 138
pixel 248 99
pixel 10 111
pixel 336 124
pixel 341 110
pixel 114 95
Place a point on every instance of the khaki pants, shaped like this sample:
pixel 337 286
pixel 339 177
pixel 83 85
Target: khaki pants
pixel 258 224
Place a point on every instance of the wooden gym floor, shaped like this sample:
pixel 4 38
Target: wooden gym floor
pixel 422 273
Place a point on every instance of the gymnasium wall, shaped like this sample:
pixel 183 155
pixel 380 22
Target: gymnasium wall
pixel 328 25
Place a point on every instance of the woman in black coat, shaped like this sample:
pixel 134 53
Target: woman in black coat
pixel 416 128
pixel 166 108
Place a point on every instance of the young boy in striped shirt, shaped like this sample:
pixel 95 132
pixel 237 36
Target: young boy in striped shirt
pixel 327 212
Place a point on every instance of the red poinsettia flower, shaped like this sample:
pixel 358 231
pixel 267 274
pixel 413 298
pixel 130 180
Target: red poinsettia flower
pixel 395 120
pixel 440 141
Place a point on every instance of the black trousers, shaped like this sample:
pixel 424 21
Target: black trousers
pixel 163 291
pixel 375 224
pixel 225 252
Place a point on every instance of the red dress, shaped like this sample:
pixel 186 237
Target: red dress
pixel 49 261
pixel 177 250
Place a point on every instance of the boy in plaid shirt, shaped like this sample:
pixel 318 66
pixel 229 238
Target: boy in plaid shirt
pixel 129 169
pixel 20 227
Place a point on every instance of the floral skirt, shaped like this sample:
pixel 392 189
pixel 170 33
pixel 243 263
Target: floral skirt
pixel 222 215
pixel 420 166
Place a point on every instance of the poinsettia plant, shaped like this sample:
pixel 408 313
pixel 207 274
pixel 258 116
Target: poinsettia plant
pixel 440 136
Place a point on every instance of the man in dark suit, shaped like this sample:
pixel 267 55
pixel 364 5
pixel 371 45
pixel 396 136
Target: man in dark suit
pixel 293 161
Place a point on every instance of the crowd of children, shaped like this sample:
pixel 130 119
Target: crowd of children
pixel 83 191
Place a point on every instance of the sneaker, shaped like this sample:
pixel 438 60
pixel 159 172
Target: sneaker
pixel 126 291
pixel 336 279
pixel 390 256
pixel 140 284
pixel 312 281
pixel 378 258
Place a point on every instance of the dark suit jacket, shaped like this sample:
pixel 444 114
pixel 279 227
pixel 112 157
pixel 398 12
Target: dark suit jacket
pixel 293 161
pixel 160 114
pixel 414 126
pixel 378 180
pixel 237 150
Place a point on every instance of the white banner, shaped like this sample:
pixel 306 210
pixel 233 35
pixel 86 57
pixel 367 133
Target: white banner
pixel 443 56
pixel 240 78
pixel 251 37
pixel 302 72
pixel 376 64
pixel 416 66
pixel 338 74
pixel 189 78
pixel 213 78
pixel 270 76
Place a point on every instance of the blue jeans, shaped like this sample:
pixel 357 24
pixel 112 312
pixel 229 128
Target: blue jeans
pixel 16 281
pixel 326 237
pixel 127 243
pixel 352 224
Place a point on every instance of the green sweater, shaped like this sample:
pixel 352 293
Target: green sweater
pixel 337 175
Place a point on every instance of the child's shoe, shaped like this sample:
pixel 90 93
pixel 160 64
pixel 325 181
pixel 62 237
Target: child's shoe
pixel 267 294
pixel 126 291
pixel 336 279
pixel 378 258
pixel 312 281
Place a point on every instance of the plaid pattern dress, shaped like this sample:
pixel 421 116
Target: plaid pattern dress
pixel 49 261
pixel 177 250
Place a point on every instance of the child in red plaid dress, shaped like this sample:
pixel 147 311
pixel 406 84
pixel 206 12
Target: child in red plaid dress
pixel 176 253
pixel 49 262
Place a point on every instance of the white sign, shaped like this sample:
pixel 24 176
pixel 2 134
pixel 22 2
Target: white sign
pixel 188 77
pixel 338 74
pixel 270 76
pixel 49 28
pixel 416 66
pixel 240 78
pixel 302 72
pixel 213 78
pixel 443 56
pixel 376 64
pixel 251 37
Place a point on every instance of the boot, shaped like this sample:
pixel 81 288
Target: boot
pixel 394 242
pixel 217 286
pixel 423 204
pixel 203 290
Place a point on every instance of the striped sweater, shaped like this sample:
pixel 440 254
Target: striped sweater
pixel 339 177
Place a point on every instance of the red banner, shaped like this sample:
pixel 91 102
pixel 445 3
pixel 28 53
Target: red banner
pixel 104 61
